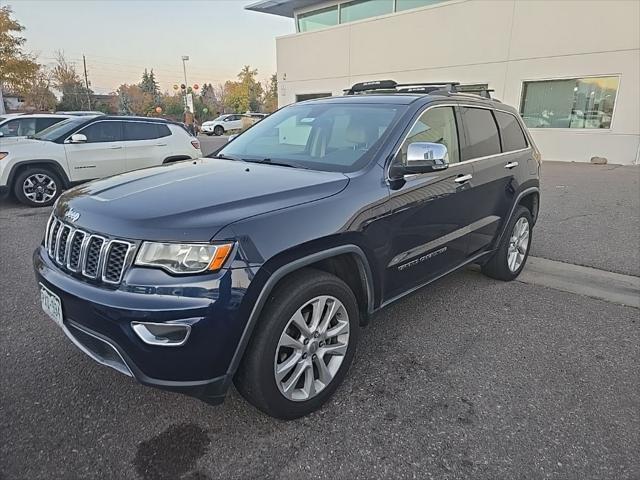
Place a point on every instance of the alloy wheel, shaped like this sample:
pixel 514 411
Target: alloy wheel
pixel 518 244
pixel 39 188
pixel 311 348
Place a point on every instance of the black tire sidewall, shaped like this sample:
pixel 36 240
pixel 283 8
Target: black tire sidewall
pixel 217 131
pixel 503 253
pixel 259 374
pixel 22 176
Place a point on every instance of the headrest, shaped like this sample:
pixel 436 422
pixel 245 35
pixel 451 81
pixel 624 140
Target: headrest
pixel 356 133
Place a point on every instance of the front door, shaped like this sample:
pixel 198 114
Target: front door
pixel 429 218
pixel 102 155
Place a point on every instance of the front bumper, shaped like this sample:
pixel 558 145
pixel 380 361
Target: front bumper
pixel 98 320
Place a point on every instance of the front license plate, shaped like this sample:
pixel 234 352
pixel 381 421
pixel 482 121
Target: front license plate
pixel 51 304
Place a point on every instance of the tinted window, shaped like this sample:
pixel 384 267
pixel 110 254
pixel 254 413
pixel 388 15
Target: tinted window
pixel 512 135
pixel 140 131
pixel 163 130
pixel 19 127
pixel 317 19
pixel 42 123
pixel 61 129
pixel 436 125
pixel 482 133
pixel 103 132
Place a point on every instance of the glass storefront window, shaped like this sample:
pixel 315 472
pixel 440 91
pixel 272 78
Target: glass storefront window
pixel 327 17
pixel 360 9
pixel 409 4
pixel 569 103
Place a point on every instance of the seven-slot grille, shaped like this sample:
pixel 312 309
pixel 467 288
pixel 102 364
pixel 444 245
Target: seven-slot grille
pixel 91 255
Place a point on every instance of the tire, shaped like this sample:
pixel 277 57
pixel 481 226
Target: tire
pixel 40 178
pixel 218 130
pixel 501 265
pixel 302 291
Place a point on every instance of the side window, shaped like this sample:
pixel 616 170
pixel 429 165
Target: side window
pixel 20 127
pixel 10 129
pixel 513 137
pixel 436 125
pixel 163 130
pixel 482 133
pixel 42 123
pixel 140 131
pixel 101 132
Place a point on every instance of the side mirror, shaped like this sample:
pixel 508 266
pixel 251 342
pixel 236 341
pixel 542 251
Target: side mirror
pixel 78 138
pixel 422 157
pixel 1 134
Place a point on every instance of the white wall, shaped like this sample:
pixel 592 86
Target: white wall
pixel 503 43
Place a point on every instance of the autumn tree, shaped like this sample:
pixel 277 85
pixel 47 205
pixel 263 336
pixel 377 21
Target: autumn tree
pixel 38 94
pixel 270 98
pixel 75 95
pixel 17 69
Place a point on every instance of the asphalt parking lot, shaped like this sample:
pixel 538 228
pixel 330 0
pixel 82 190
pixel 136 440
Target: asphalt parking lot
pixel 467 378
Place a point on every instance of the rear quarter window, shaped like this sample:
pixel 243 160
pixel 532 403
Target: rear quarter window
pixel 163 130
pixel 513 138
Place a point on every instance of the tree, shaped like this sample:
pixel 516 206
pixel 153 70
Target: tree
pixel 133 100
pixel 149 84
pixel 38 94
pixel 252 87
pixel 17 69
pixel 270 98
pixel 75 95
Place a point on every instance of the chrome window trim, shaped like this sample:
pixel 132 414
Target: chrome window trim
pixel 465 162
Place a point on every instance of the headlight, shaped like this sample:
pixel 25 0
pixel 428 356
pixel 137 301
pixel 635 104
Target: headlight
pixel 183 257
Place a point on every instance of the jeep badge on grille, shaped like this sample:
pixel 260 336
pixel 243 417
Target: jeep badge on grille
pixel 71 215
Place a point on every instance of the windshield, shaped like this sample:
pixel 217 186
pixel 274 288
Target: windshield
pixel 60 129
pixel 324 136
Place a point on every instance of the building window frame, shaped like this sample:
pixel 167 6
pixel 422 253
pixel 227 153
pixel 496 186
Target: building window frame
pixel 581 131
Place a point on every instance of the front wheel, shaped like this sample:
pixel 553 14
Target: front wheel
pixel 511 255
pixel 218 130
pixel 37 187
pixel 302 347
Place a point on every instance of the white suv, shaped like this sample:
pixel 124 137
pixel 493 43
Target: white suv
pixel 78 149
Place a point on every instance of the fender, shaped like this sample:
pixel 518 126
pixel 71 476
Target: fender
pixel 522 194
pixel 56 167
pixel 280 273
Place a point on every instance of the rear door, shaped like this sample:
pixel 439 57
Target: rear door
pixel 494 162
pixel 146 144
pixel 102 155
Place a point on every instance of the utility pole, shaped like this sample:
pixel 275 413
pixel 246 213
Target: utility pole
pixel 86 79
pixel 185 58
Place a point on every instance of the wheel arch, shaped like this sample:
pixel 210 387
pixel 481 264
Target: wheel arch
pixel 333 260
pixel 50 164
pixel 531 195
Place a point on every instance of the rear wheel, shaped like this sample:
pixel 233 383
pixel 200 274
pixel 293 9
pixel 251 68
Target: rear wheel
pixel 37 187
pixel 218 130
pixel 511 255
pixel 302 347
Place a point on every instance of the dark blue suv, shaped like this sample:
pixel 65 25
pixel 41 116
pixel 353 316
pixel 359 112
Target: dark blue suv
pixel 260 264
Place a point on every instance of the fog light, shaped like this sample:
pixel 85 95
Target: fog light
pixel 162 334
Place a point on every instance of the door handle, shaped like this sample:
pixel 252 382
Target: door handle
pixel 510 165
pixel 161 144
pixel 116 148
pixel 463 178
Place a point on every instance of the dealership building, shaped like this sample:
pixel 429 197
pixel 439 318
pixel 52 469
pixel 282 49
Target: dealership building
pixel 572 68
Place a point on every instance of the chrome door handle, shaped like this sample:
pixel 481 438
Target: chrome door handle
pixel 463 178
pixel 161 144
pixel 115 148
pixel 511 165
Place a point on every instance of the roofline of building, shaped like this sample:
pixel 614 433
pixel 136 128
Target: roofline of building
pixel 282 8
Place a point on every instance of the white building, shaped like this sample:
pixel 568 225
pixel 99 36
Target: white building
pixel 571 67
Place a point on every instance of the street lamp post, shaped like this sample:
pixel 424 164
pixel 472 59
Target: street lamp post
pixel 185 58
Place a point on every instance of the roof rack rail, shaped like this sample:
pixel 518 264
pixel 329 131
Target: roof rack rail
pixel 392 86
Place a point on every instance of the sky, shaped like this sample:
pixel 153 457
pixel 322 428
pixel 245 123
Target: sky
pixel 121 38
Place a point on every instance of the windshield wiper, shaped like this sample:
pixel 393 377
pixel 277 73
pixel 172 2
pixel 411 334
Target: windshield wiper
pixel 273 162
pixel 223 156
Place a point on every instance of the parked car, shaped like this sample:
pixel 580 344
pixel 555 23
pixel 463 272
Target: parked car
pixel 225 123
pixel 259 265
pixel 27 125
pixel 83 148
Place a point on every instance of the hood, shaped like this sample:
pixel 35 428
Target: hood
pixel 192 200
pixel 12 141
